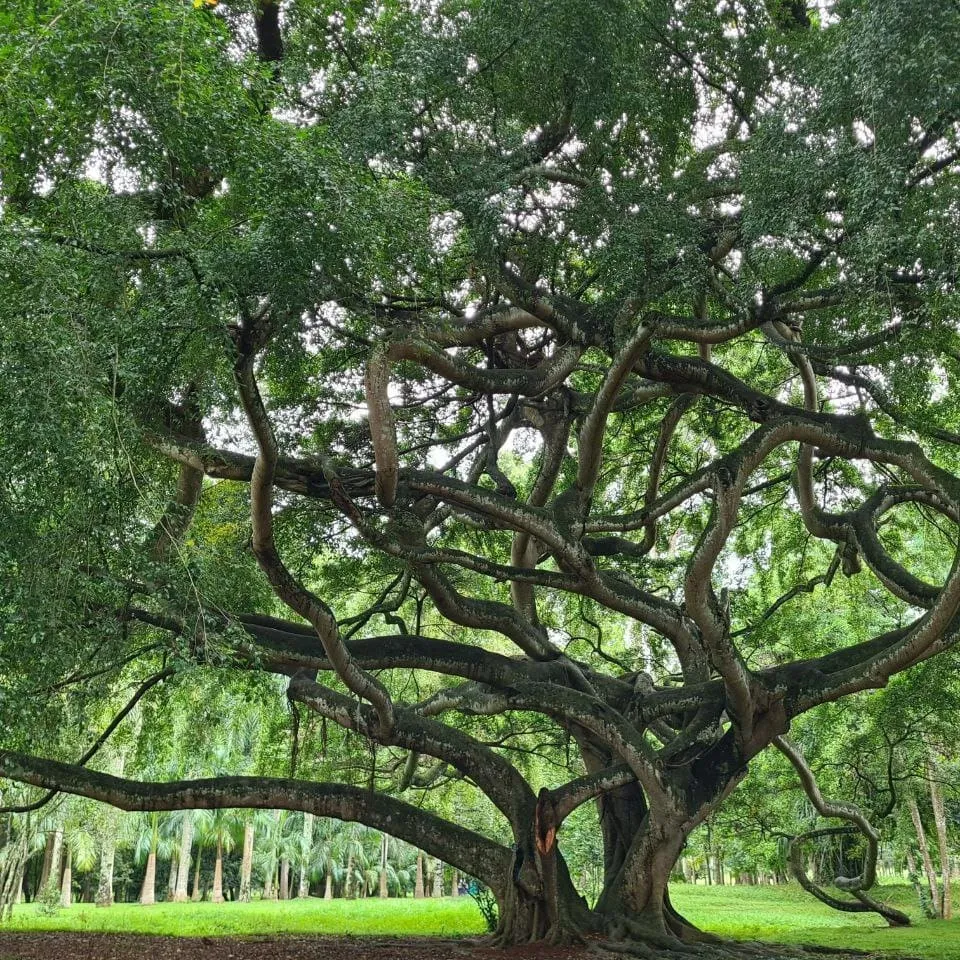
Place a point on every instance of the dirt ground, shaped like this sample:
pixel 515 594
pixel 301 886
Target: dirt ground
pixel 111 946
pixel 108 946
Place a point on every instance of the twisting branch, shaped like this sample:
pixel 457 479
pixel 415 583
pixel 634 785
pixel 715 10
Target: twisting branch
pixel 856 886
pixel 294 594
pixel 594 426
pixel 454 844
pixel 383 429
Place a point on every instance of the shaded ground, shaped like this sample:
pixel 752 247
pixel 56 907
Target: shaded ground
pixel 105 946
pixel 53 945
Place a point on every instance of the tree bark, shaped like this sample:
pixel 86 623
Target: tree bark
pixel 172 876
pixel 303 888
pixel 66 880
pixel 197 894
pixel 384 842
pixel 217 895
pixel 148 890
pixel 924 847
pixel 180 894
pixel 940 822
pixel 437 877
pixel 246 861
pixel 49 873
pixel 418 891
pixel 284 879
pixel 107 851
pixel 328 886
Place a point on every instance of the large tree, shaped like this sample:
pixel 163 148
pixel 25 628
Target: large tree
pixel 545 326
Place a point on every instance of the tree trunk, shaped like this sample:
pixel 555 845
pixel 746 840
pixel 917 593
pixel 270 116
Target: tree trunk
pixel 246 862
pixel 284 879
pixel 438 878
pixel 197 895
pixel 940 821
pixel 50 871
pixel 66 881
pixel 328 886
pixel 418 887
pixel 148 891
pixel 303 888
pixel 924 853
pixel 105 882
pixel 914 877
pixel 172 876
pixel 348 889
pixel 384 843
pixel 217 895
pixel 455 883
pixel 183 859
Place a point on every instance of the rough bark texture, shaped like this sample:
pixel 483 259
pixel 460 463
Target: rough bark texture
pixel 66 879
pixel 306 842
pixel 246 862
pixel 108 846
pixel 216 894
pixel 924 847
pixel 180 894
pixel 943 846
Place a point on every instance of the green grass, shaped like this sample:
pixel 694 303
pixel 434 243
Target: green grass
pixel 448 917
pixel 779 914
pixel 788 915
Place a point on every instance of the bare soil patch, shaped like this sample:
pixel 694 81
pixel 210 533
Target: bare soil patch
pixel 108 946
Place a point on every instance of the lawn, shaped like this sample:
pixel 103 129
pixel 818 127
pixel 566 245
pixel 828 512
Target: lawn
pixel 788 915
pixel 782 914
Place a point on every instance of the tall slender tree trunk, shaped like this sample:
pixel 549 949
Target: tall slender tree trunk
pixel 348 890
pixel 328 886
pixel 384 842
pixel 217 895
pixel 284 879
pixel 197 895
pixel 66 881
pixel 940 821
pixel 246 862
pixel 303 888
pixel 107 851
pixel 418 891
pixel 148 891
pixel 438 877
pixel 924 853
pixel 50 871
pixel 455 883
pixel 172 876
pixel 183 859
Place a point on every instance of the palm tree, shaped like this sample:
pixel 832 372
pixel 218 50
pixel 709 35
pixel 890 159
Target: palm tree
pixel 214 828
pixel 324 856
pixel 353 835
pixel 185 818
pixel 306 841
pixel 79 850
pixel 150 843
pixel 246 861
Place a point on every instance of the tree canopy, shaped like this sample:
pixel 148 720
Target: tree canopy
pixel 477 367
